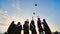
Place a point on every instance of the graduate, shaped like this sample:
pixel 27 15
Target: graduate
pixel 46 27
pixel 26 27
pixel 33 27
pixel 11 28
pixel 18 29
pixel 39 24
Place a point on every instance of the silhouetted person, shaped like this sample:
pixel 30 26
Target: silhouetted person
pixel 46 27
pixel 26 27
pixel 11 28
pixel 18 29
pixel 40 29
pixel 32 27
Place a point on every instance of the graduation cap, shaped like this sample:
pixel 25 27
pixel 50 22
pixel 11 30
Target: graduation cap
pixel 33 13
pixel 35 4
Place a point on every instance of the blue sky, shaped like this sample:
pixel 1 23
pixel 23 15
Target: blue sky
pixel 20 10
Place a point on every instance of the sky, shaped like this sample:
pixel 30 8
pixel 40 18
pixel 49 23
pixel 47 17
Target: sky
pixel 21 10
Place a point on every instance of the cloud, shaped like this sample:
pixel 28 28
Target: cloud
pixel 6 19
pixel 15 5
pixel 3 17
pixel 3 12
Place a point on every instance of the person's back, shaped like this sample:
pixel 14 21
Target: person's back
pixel 19 28
pixel 40 29
pixel 46 27
pixel 26 28
pixel 32 27
pixel 11 28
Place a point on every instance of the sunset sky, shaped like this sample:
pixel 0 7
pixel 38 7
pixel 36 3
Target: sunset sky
pixel 21 10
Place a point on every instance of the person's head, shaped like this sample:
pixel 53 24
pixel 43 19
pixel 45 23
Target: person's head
pixel 44 20
pixel 18 23
pixel 12 22
pixel 38 18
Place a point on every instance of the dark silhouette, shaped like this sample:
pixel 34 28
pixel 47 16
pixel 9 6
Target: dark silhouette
pixel 56 32
pixel 35 4
pixel 18 29
pixel 46 27
pixel 32 27
pixel 11 28
pixel 26 27
pixel 40 29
